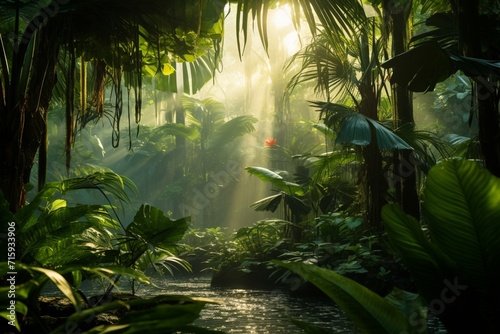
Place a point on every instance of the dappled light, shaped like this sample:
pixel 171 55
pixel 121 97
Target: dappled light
pixel 257 167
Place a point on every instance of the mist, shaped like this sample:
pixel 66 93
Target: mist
pixel 186 176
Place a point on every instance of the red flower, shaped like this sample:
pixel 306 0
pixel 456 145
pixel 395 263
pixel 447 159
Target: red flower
pixel 270 142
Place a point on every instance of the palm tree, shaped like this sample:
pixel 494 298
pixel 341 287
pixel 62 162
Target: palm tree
pixel 346 69
pixel 114 38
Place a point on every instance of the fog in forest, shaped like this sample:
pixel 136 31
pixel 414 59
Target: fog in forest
pixel 280 162
pixel 186 175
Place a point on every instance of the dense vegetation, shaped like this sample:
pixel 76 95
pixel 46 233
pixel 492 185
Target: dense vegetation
pixel 351 185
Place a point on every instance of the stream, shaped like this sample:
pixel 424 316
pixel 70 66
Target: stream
pixel 254 311
pixel 251 311
pixel 260 311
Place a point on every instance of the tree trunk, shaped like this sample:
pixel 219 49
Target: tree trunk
pixel 406 182
pixel 486 90
pixel 23 122
pixel 375 181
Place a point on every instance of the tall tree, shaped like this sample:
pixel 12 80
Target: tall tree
pixel 396 26
pixel 345 68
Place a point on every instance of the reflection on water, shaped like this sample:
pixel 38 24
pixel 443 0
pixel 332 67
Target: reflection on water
pixel 255 311
pixel 249 311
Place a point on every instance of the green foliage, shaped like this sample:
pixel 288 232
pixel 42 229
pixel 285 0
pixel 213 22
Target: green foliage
pixel 435 53
pixel 47 223
pixel 176 312
pixel 356 129
pixel 65 244
pixel 151 238
pixel 276 180
pixel 426 74
pixel 202 238
pixel 30 281
pixel 339 17
pixel 289 193
pixel 454 263
pixel 341 243
pixel 462 249
pixel 194 73
pixel 250 245
pixel 160 314
pixel 260 241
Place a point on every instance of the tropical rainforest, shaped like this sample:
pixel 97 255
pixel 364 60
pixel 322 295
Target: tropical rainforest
pixel 351 147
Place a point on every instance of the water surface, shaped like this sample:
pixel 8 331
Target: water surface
pixel 255 311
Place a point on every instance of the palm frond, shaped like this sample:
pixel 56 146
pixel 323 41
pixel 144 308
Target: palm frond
pixel 205 115
pixel 464 147
pixel 174 129
pixel 325 62
pixel 62 222
pixel 232 129
pixel 428 146
pixel 336 17
pixel 195 74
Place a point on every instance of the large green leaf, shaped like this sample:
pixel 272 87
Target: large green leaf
pixel 456 266
pixel 357 129
pixel 406 235
pixel 421 68
pixel 107 272
pixel 151 226
pixel 59 281
pixel 160 314
pixel 369 311
pixel 462 206
pixel 412 305
pixel 276 180
pixel 325 130
pixel 269 203
pixel 264 174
